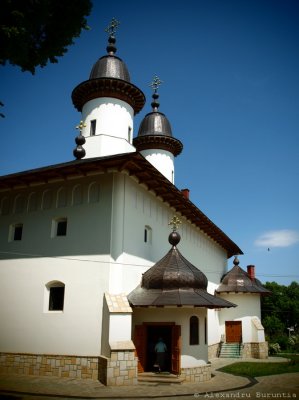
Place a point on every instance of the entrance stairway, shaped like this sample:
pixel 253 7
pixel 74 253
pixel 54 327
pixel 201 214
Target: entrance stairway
pixel 154 378
pixel 230 350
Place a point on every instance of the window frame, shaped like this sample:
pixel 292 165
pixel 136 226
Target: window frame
pixel 93 127
pixel 52 294
pixel 15 233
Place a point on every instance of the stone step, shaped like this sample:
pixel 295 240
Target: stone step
pixel 158 378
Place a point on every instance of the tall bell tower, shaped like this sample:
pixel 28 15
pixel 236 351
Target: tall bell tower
pixel 108 102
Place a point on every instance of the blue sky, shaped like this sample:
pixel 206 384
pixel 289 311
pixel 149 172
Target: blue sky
pixel 230 90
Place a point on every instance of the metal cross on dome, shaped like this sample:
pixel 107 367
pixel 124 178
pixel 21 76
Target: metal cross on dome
pixel 112 27
pixel 81 126
pixel 155 83
pixel 175 222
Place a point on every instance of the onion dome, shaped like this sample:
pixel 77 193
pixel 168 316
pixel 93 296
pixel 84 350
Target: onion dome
pixel 174 281
pixel 155 129
pixel 173 271
pixel 109 77
pixel 237 280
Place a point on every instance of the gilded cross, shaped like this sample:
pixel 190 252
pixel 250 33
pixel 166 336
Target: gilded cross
pixel 112 27
pixel 175 222
pixel 81 126
pixel 155 83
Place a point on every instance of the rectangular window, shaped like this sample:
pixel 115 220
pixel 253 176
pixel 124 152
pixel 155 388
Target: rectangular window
pixel 61 227
pixel 129 134
pixel 93 124
pixel 15 232
pixel 18 231
pixel 56 298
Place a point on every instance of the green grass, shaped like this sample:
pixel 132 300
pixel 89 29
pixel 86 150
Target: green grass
pixel 254 369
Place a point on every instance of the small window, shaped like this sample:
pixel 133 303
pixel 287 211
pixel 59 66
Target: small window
pixel 56 298
pixel 18 232
pixel 206 331
pixel 93 124
pixel 147 234
pixel 59 227
pixel 15 232
pixel 194 330
pixel 129 134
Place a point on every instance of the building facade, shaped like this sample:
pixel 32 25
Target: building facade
pixel 76 239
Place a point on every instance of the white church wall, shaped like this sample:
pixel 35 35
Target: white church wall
pixel 80 260
pixel 191 355
pixel 142 210
pixel 113 128
pixel 248 307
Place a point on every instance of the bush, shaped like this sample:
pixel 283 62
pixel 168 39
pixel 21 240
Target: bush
pixel 274 348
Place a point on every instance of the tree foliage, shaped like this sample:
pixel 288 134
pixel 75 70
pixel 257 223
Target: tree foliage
pixel 35 32
pixel 280 311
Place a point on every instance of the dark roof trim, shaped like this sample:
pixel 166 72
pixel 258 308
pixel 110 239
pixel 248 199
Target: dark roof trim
pixel 108 87
pixel 134 164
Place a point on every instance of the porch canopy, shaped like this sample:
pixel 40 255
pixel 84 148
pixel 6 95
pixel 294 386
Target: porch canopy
pixel 174 281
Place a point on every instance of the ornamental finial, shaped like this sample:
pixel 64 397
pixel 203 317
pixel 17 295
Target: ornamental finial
pixel 81 126
pixel 112 27
pixel 175 222
pixel 156 82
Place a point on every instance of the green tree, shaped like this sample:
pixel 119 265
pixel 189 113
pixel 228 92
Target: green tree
pixel 35 32
pixel 280 311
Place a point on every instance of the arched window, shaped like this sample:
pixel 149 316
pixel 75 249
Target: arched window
pixel 77 197
pixel 194 330
pixel 19 205
pixel 61 197
pixel 5 206
pixel 54 300
pixel 47 200
pixel 93 192
pixel 32 202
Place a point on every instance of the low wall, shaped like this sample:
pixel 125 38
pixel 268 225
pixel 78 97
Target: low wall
pixel 196 374
pixel 255 350
pixel 213 351
pixel 49 365
pixel 118 370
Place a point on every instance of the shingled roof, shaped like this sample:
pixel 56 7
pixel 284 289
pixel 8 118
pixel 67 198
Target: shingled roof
pixel 238 281
pixel 174 281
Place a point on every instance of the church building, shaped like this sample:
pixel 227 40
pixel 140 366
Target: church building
pixel 103 256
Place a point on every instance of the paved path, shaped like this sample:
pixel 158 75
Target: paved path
pixel 221 385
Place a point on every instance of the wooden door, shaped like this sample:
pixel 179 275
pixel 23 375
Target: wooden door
pixel 176 349
pixel 140 344
pixel 233 331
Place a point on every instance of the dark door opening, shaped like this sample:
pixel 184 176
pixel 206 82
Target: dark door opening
pixel 154 332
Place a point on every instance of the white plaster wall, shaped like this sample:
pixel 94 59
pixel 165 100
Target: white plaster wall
pixel 120 327
pixel 191 356
pixel 141 208
pixel 80 260
pixel 248 307
pixel 162 160
pixel 26 325
pixel 114 119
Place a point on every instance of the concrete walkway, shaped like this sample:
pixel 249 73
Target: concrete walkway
pixel 220 386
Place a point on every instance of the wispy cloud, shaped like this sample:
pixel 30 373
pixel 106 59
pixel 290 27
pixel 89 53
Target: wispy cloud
pixel 279 238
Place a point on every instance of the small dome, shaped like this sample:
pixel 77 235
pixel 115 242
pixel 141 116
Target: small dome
pixel 155 123
pixel 110 66
pixel 174 271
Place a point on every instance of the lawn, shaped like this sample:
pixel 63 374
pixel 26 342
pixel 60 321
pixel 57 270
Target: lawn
pixel 254 369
